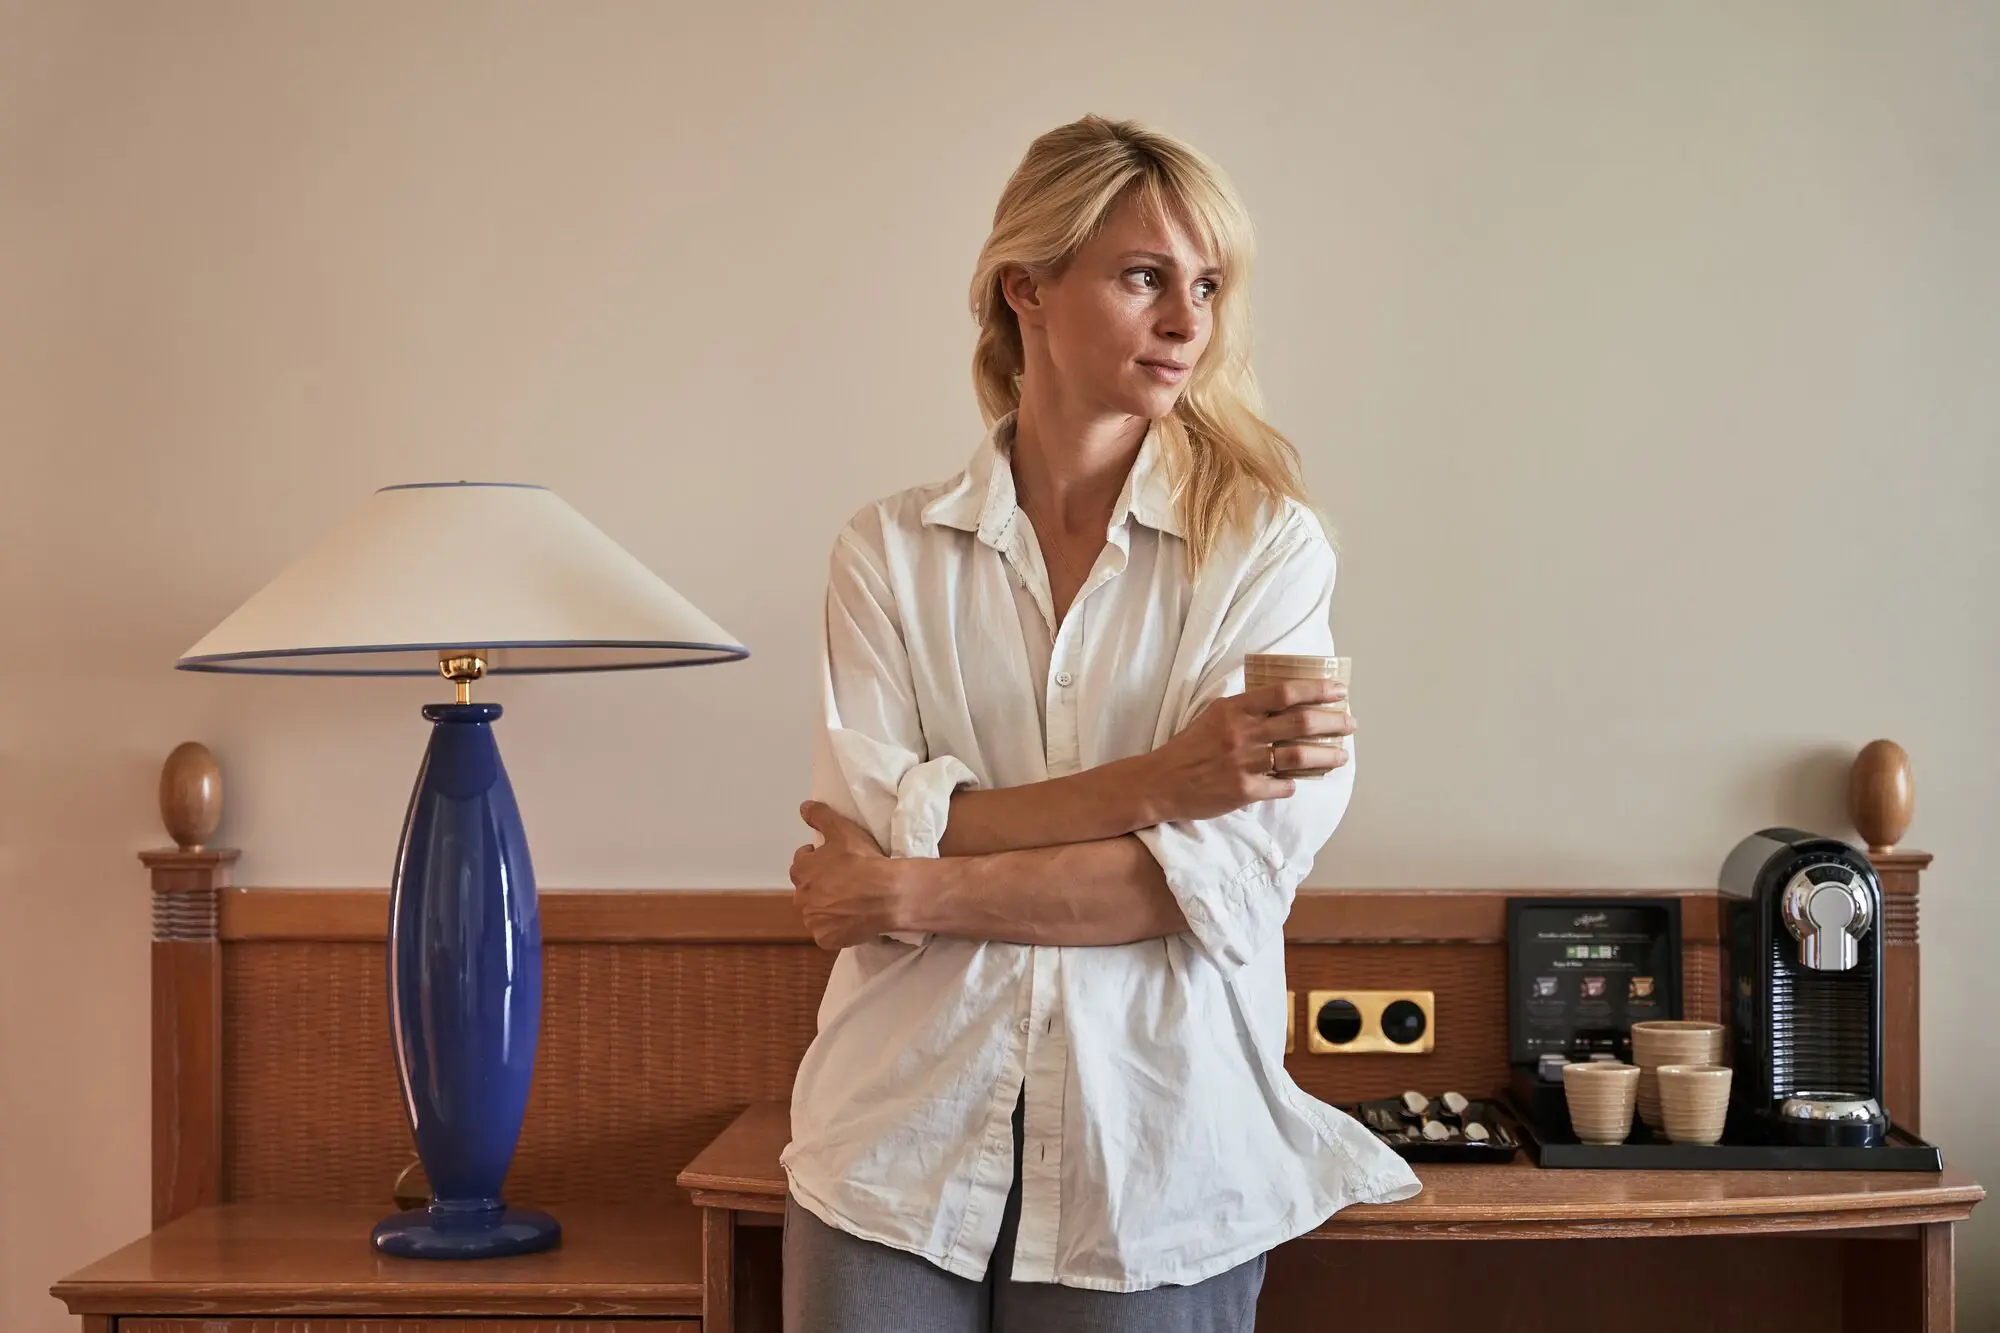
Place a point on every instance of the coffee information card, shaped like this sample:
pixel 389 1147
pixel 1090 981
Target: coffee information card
pixel 1582 971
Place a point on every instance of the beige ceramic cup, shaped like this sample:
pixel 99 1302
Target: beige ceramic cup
pixel 1601 1098
pixel 1670 1041
pixel 1260 669
pixel 1695 1101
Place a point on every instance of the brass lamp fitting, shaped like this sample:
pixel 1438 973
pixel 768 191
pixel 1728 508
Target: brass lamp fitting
pixel 461 669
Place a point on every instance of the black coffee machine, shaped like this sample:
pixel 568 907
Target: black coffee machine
pixel 1802 923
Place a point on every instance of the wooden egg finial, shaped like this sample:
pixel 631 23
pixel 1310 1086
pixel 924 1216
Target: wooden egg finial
pixel 190 795
pixel 1880 795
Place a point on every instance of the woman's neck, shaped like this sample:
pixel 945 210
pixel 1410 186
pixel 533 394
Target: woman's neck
pixel 1070 462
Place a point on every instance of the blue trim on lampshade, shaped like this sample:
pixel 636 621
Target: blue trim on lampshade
pixel 226 662
pixel 434 485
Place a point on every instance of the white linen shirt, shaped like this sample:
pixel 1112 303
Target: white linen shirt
pixel 1163 1140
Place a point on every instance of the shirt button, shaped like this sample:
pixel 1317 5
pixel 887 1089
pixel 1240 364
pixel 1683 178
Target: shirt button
pixel 1023 1026
pixel 1063 678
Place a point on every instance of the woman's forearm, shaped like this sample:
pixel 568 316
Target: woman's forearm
pixel 1099 803
pixel 1108 891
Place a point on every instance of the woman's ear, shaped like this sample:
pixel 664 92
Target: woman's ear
pixel 1023 291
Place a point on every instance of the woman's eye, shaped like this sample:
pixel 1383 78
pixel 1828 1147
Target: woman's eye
pixel 1148 278
pixel 1207 288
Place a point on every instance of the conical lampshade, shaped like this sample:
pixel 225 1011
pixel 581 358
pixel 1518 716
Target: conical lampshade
pixel 507 571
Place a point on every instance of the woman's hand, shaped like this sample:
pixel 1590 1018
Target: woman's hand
pixel 845 888
pixel 1222 761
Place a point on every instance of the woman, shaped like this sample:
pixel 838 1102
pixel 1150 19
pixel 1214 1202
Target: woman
pixel 1048 1089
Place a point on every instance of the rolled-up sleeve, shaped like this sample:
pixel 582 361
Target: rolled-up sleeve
pixel 1235 876
pixel 869 763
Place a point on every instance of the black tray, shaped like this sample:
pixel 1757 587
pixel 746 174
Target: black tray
pixel 1551 1146
pixel 1492 1114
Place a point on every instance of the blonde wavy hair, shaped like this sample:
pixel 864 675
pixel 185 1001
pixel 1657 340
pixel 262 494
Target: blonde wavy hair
pixel 1220 451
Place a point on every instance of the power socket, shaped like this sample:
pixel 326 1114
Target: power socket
pixel 1371 1022
pixel 1291 1012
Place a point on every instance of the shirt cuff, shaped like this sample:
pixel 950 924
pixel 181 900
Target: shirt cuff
pixel 1231 880
pixel 923 805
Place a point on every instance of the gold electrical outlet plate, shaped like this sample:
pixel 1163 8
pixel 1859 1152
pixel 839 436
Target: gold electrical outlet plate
pixel 1371 1040
pixel 1291 1017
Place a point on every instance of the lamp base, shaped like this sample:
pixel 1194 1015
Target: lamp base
pixel 446 1231
pixel 465 994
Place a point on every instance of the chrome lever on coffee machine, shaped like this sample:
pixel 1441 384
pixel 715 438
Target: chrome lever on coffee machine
pixel 1827 917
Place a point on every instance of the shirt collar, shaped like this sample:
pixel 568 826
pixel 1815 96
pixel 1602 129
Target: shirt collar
pixel 981 499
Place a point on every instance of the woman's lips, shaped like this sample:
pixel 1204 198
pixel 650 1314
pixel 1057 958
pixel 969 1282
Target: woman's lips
pixel 1167 372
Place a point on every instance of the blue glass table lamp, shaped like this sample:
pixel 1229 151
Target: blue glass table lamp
pixel 464 580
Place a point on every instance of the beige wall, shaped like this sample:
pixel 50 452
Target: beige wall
pixel 1644 354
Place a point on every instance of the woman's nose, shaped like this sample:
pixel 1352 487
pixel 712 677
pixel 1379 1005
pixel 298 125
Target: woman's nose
pixel 1179 318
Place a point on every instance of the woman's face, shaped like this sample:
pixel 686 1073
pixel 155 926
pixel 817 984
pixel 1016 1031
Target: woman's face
pixel 1126 322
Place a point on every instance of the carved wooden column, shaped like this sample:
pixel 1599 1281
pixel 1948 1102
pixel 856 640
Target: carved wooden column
pixel 1902 997
pixel 188 881
pixel 1881 797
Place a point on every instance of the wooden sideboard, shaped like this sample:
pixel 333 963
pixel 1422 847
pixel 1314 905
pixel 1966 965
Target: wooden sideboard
pixel 674 1022
pixel 1884 1260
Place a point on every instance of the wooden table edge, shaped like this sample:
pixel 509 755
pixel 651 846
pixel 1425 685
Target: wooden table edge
pixel 1904 1221
pixel 1958 1198
pixel 680 1300
pixel 1854 1210
pixel 1386 1221
pixel 739 1202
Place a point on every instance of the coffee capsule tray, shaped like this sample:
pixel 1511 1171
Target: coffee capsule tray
pixel 1484 1131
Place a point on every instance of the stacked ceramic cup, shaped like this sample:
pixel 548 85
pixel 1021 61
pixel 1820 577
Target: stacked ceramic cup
pixel 1670 1041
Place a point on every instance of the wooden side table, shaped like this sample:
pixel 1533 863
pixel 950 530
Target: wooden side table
pixel 1871 1248
pixel 237 1268
pixel 736 1182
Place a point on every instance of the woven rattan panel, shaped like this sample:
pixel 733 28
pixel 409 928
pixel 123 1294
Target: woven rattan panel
pixel 647 1052
pixel 1701 981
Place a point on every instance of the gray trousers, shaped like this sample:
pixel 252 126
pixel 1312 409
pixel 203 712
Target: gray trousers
pixel 837 1283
